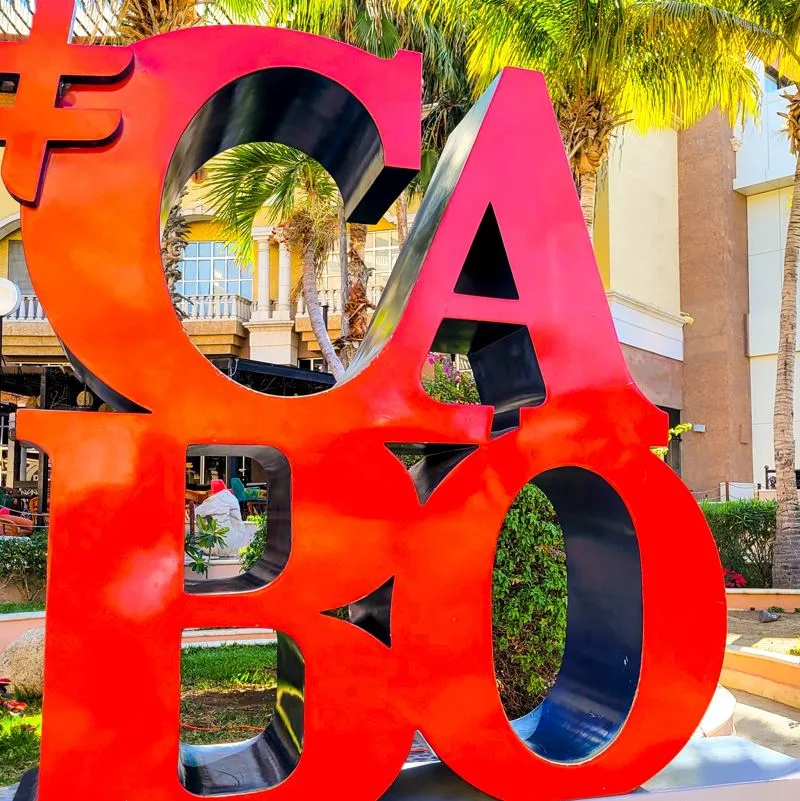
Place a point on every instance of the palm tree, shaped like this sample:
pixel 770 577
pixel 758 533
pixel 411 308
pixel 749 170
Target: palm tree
pixel 652 64
pixel 301 200
pixel 786 556
pixel 140 19
pixel 783 17
pixel 380 28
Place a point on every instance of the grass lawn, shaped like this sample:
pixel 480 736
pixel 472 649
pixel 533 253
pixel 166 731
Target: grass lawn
pixel 19 743
pixel 21 606
pixel 227 694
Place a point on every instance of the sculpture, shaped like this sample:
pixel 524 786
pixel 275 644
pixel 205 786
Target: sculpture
pixel 499 266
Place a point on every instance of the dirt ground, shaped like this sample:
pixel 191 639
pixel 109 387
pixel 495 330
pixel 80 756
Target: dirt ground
pixel 781 636
pixel 224 715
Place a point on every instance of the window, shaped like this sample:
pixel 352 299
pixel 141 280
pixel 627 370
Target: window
pixel 18 268
pixel 202 470
pixel 773 80
pixel 317 365
pixel 380 254
pixel 209 268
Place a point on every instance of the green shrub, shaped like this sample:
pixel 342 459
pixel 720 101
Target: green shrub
pixel 529 595
pixel 745 535
pixel 253 551
pixel 198 544
pixel 23 563
pixel 14 607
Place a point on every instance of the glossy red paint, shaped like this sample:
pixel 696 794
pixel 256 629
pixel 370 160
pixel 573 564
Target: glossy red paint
pixel 112 684
pixel 36 120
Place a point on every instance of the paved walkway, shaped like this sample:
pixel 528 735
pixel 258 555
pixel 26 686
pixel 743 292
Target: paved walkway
pixel 767 723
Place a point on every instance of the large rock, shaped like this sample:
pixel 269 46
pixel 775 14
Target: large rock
pixel 23 663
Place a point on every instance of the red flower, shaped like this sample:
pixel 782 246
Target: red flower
pixel 733 580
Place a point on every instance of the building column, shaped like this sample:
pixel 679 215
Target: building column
pixel 284 280
pixel 272 337
pixel 263 308
pixel 714 291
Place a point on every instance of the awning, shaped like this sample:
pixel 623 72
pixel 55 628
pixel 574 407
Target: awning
pixel 274 379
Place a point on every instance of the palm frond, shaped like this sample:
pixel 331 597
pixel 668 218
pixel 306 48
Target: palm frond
pixel 254 12
pixel 264 178
pixel 422 180
pixel 658 63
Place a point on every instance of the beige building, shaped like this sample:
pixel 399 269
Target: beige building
pixel 637 247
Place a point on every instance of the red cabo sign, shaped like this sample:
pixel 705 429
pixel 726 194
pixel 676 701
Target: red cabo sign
pixel 498 266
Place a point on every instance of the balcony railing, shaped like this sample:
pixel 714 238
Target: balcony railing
pixel 209 307
pixel 29 309
pixel 332 298
pixel 196 307
pixel 216 307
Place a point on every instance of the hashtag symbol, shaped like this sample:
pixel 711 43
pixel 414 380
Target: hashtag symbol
pixel 40 65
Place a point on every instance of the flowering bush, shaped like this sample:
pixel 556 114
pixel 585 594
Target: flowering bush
pixel 448 384
pixel 673 433
pixel 733 580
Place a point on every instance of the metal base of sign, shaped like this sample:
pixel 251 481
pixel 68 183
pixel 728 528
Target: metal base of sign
pixel 712 769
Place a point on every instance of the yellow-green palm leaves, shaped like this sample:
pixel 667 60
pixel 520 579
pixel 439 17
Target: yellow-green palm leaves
pixel 650 63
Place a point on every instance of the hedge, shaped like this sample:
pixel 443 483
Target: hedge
pixel 745 535
pixel 23 563
pixel 529 602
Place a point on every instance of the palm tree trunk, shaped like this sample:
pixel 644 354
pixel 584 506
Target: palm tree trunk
pixel 343 269
pixel 401 208
pixel 358 306
pixel 311 296
pixel 786 559
pixel 174 239
pixel 588 190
